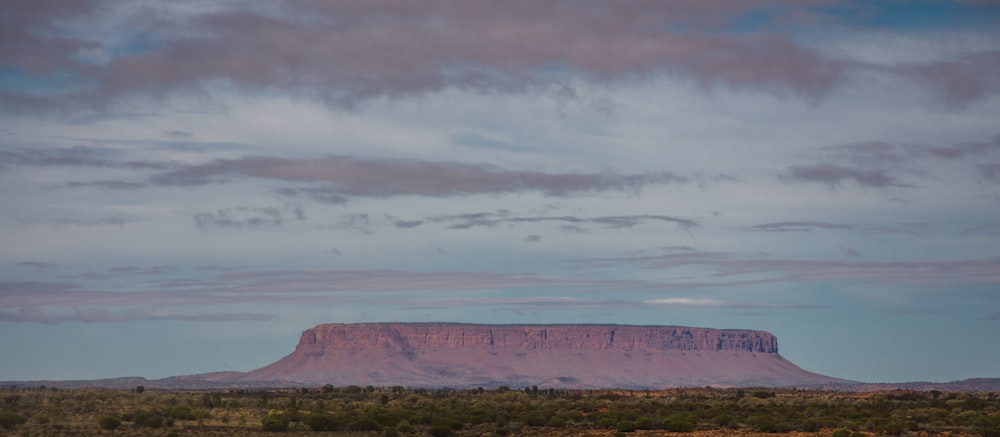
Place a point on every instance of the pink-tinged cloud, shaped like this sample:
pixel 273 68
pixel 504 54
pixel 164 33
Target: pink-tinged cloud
pixel 345 52
pixel 341 177
pixel 686 302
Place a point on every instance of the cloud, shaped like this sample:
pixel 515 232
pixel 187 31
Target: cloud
pixel 289 286
pixel 834 176
pixel 98 315
pixel 107 185
pixel 248 217
pixel 132 270
pixel 877 164
pixel 79 156
pixel 570 223
pixel 685 302
pixel 721 269
pixel 990 171
pixel 37 265
pixel 798 226
pixel 851 252
pixel 345 176
pixel 346 53
pixel 178 134
pixel 91 222
pixel 533 238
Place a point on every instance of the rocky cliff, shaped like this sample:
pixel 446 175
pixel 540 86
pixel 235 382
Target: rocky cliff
pixel 578 356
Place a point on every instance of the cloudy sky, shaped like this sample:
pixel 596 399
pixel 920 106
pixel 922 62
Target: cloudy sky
pixel 188 185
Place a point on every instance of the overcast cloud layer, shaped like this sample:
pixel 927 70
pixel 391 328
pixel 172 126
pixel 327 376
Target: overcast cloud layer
pixel 187 185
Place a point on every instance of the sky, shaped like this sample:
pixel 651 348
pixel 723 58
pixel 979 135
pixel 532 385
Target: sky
pixel 187 185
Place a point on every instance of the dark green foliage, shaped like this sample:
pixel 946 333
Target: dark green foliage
pixel 321 422
pixel 147 419
pixel 418 412
pixel 679 423
pixel 536 419
pixel 627 426
pixel 557 422
pixel 440 431
pixel 275 422
pixel 365 424
pixel 182 412
pixel 9 419
pixel 109 422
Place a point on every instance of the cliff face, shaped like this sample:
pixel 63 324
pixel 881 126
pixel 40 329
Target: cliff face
pixel 411 336
pixel 577 356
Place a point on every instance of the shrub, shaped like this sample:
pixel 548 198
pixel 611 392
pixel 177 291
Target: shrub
pixel 320 422
pixel 109 422
pixel 557 422
pixel 676 424
pixel 440 430
pixel 182 412
pixel 645 422
pixel 841 433
pixel 147 419
pixel 42 419
pixel 627 426
pixel 275 422
pixel 9 419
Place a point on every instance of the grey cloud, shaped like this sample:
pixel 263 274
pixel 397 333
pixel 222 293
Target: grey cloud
pixel 407 224
pixel 834 175
pixel 37 265
pixel 533 238
pixel 244 216
pixel 132 270
pixel 877 164
pixel 107 185
pixel 357 222
pixel 570 223
pixel 346 176
pixel 178 134
pixel 850 252
pixel 987 229
pixel 290 286
pixel 990 171
pixel 91 222
pixel 98 315
pixel 798 226
pixel 76 157
pixel 760 269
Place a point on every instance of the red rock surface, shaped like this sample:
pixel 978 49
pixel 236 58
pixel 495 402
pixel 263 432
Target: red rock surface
pixel 572 356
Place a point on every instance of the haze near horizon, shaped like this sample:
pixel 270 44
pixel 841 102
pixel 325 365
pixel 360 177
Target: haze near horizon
pixel 187 186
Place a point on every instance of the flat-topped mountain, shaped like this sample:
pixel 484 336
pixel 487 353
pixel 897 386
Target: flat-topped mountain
pixel 572 356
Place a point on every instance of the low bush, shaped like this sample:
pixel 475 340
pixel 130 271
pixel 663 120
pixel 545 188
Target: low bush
pixel 10 419
pixel 109 422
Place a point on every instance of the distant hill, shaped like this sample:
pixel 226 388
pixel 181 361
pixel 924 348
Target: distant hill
pixel 574 356
pixel 567 356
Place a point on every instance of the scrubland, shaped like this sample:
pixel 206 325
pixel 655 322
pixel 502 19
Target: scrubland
pixel 398 411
